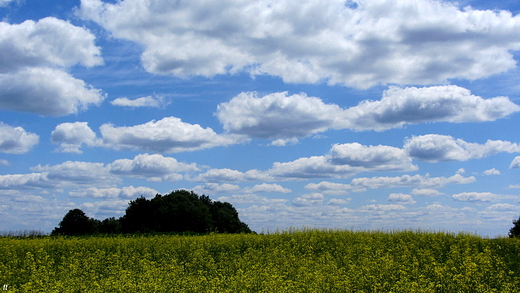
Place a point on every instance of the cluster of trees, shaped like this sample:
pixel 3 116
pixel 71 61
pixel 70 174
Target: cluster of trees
pixel 514 232
pixel 179 211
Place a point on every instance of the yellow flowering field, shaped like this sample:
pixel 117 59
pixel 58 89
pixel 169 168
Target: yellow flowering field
pixel 304 260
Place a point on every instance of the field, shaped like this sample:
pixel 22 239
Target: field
pixel 289 261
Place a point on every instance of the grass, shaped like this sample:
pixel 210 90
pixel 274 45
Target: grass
pixel 287 261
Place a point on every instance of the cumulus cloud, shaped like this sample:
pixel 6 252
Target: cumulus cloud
pixel 492 172
pixel 338 201
pixel 46 91
pixel 25 181
pixel 417 181
pixel 419 42
pixel 330 187
pixel 475 196
pixel 31 69
pixel 149 101
pixel 265 187
pixel 381 157
pixel 71 136
pixel 435 147
pixel 153 166
pixel 426 192
pixel 229 175
pixel 128 192
pixel 503 207
pixel 285 118
pixel 344 160
pixel 515 164
pixel 16 140
pixel 250 199
pixel 383 207
pixel 401 197
pixel 423 184
pixel 276 115
pixel 411 105
pixel 168 135
pixel 309 199
pixel 212 188
pixel 77 173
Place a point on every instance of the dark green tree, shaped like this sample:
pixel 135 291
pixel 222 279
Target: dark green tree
pixel 109 226
pixel 514 232
pixel 181 211
pixel 75 222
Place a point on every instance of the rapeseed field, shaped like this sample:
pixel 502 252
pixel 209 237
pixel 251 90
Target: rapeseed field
pixel 304 260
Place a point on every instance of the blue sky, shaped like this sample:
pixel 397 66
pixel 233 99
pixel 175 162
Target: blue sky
pixel 339 114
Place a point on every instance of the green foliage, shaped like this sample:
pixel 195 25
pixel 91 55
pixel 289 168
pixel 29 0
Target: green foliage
pixel 75 222
pixel 514 232
pixel 179 211
pixel 291 261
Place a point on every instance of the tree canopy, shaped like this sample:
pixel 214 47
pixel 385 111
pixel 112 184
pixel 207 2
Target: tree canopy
pixel 179 211
pixel 514 232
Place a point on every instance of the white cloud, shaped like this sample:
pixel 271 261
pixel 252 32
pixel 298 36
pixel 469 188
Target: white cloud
pixel 426 192
pixel 265 187
pixel 329 187
pixel 47 42
pixel 503 207
pixel 515 163
pixel 212 188
pixel 312 167
pixel 411 105
pixel 338 201
pixel 276 115
pixel 380 157
pixel 25 181
pixel 286 118
pixel 168 135
pixel 4 162
pixel 401 197
pixel 149 101
pixel 31 68
pixel 435 147
pixel 284 142
pixel 344 160
pixel 150 166
pixel 419 42
pixel 475 196
pixel 46 91
pixel 309 199
pixel 15 140
pixel 71 136
pixel 128 192
pixel 417 181
pixel 78 173
pixel 383 207
pixel 229 175
pixel 249 199
pixel 492 172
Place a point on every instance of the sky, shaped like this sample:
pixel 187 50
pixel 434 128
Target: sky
pixel 357 114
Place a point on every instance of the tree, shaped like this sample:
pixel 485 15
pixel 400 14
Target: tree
pixel 179 211
pixel 75 222
pixel 514 232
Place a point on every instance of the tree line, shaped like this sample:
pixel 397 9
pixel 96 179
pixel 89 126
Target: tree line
pixel 179 211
